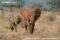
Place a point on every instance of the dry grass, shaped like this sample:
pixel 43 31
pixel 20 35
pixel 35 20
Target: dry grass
pixel 44 28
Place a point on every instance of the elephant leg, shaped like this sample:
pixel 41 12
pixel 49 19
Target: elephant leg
pixel 11 28
pixel 31 24
pixel 15 27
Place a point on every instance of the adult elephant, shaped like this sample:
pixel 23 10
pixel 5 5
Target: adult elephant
pixel 29 16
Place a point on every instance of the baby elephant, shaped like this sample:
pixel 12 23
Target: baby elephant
pixel 13 22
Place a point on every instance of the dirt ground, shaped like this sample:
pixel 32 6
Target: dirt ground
pixel 44 29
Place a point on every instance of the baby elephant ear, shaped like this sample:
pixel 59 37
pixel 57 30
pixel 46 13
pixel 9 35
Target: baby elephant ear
pixel 19 20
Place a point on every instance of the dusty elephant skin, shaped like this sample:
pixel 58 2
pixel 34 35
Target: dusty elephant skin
pixel 29 17
pixel 13 22
pixel 33 18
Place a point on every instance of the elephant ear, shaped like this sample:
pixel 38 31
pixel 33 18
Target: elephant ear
pixel 19 20
pixel 37 13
